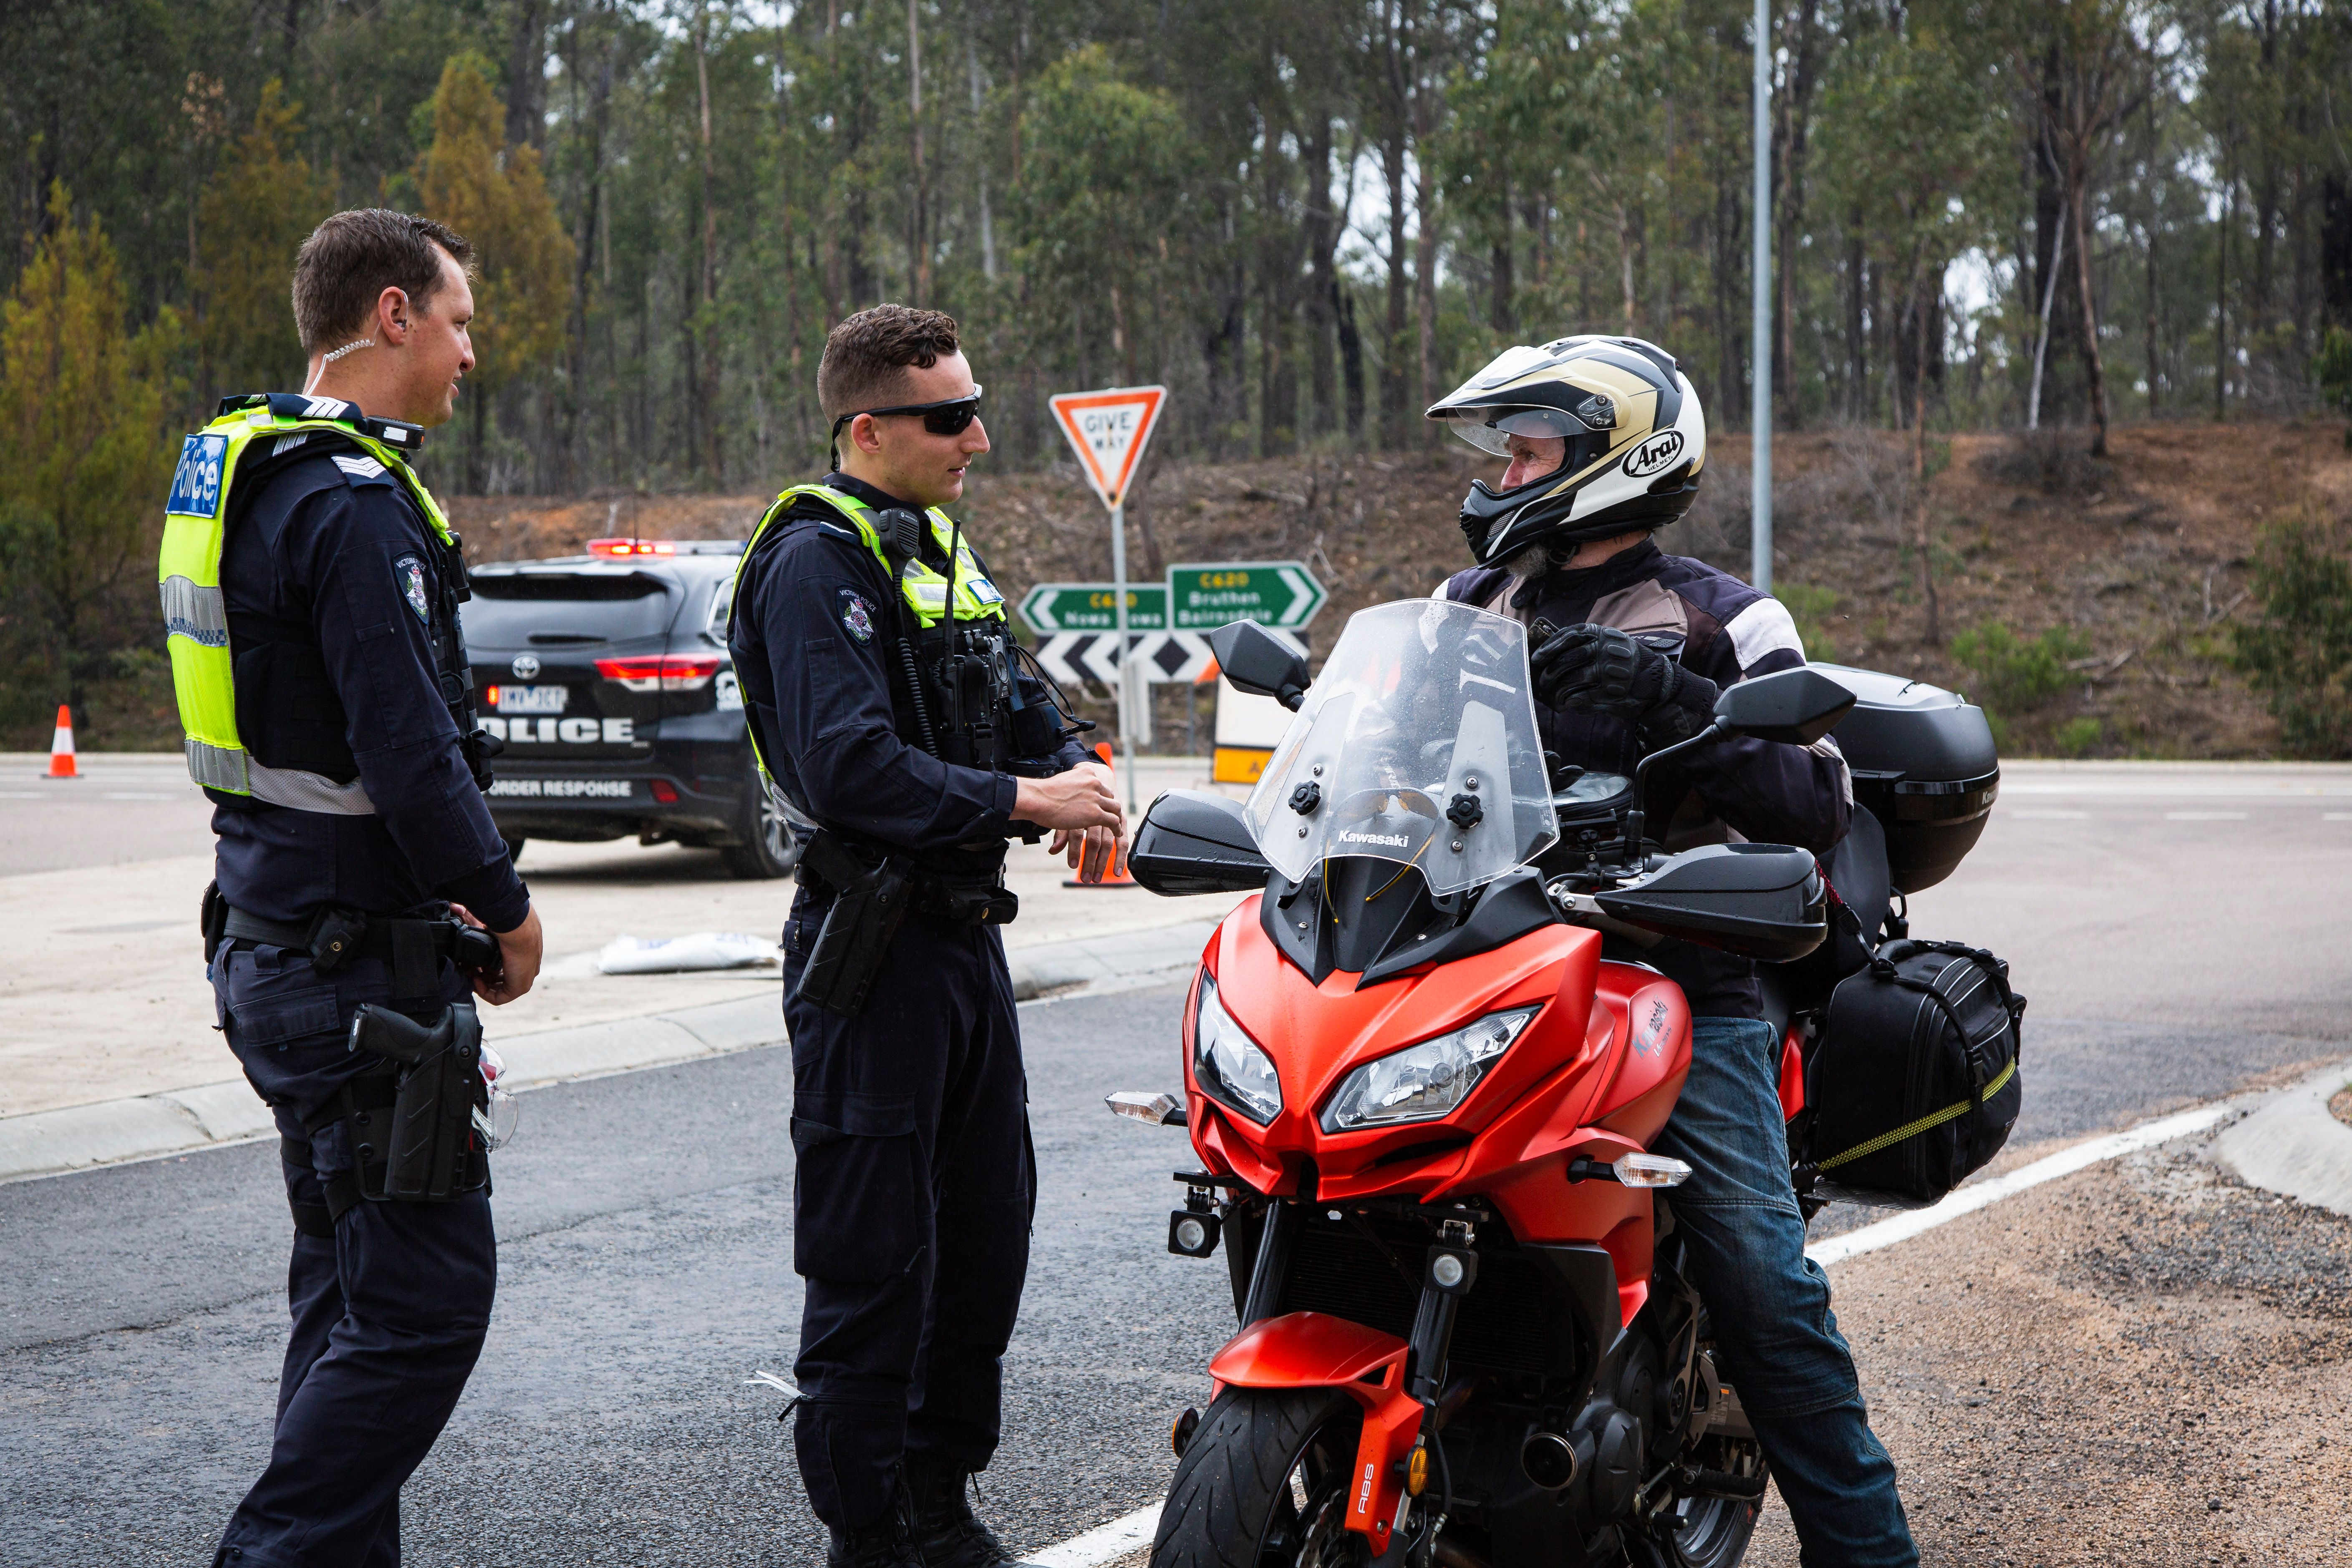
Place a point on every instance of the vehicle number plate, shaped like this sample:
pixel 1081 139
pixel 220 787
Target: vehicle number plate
pixel 532 698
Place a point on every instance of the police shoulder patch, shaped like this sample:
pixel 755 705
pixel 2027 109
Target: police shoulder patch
pixel 410 572
pixel 858 614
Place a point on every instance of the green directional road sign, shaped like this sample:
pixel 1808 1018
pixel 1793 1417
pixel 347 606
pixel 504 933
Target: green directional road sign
pixel 1094 607
pixel 1207 595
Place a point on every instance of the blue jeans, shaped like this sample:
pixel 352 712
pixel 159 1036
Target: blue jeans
pixel 1775 1339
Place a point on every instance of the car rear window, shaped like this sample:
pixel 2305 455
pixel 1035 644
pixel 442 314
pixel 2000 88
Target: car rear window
pixel 517 609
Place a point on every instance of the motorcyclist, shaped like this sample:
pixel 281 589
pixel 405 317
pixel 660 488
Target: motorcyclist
pixel 1606 442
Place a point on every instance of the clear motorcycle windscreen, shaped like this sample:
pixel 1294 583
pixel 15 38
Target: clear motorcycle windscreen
pixel 1423 710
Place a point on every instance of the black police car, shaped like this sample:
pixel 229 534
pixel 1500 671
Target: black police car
pixel 607 676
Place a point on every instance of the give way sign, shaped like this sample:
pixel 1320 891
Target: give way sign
pixel 1108 430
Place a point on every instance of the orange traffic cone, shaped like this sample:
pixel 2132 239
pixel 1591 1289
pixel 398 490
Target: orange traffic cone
pixel 61 752
pixel 1117 876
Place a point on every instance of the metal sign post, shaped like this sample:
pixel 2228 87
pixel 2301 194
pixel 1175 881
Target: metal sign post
pixel 1108 430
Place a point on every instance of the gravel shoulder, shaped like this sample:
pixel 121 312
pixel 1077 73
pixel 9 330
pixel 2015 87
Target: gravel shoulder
pixel 2144 1363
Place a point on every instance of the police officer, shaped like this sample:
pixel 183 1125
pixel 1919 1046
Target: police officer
pixel 311 589
pixel 892 712
pixel 1606 443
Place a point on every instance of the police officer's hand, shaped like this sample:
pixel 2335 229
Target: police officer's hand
pixel 519 952
pixel 1091 854
pixel 1072 802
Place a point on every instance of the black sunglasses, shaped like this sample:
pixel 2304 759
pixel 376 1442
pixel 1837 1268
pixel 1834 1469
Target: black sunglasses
pixel 950 417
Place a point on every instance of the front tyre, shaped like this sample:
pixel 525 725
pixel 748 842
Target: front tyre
pixel 1263 1484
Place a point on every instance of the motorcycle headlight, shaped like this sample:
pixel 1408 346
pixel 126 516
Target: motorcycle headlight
pixel 1424 1082
pixel 1227 1063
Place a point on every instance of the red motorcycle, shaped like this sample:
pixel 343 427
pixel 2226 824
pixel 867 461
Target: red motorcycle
pixel 1421 1099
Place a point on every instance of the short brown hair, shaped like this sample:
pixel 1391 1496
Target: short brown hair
pixel 353 257
pixel 868 355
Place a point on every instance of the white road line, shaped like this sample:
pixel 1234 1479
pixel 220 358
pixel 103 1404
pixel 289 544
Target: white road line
pixel 1107 1543
pixel 2323 817
pixel 1977 1195
pixel 2204 817
pixel 2022 814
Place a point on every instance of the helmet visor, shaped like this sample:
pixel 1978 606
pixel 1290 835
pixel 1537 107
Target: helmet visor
pixel 1490 430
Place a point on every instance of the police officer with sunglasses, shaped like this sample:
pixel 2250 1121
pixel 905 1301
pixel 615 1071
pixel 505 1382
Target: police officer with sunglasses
pixel 910 737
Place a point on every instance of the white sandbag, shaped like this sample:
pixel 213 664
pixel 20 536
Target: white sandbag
pixel 703 950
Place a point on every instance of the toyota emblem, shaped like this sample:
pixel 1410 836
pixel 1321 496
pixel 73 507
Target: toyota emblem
pixel 526 665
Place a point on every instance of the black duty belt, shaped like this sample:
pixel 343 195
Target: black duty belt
pixel 828 867
pixel 409 946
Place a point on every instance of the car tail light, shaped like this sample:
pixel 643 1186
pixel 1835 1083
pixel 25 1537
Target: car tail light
pixel 632 547
pixel 665 792
pixel 662 671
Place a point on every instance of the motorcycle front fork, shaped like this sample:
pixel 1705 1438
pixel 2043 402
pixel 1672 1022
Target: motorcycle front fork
pixel 1448 1273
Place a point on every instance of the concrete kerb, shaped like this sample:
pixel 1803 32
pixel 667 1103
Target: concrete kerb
pixel 2294 1145
pixel 52 1142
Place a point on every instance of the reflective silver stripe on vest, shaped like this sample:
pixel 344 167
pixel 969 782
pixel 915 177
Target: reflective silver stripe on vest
pixel 238 774
pixel 215 767
pixel 200 614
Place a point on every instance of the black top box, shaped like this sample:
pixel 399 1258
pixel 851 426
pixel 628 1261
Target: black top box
pixel 1924 765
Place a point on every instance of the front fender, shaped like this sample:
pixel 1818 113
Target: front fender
pixel 1316 1350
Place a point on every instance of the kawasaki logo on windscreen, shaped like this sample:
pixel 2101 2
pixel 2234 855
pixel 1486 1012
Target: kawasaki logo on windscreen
pixel 1391 841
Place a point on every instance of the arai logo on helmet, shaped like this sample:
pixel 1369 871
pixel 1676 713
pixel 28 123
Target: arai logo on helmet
pixel 1654 455
pixel 1393 840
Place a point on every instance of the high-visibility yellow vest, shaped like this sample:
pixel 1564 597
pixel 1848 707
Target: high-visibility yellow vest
pixel 928 591
pixel 925 587
pixel 195 614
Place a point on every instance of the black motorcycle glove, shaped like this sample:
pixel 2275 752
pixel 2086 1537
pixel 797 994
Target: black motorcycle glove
pixel 1601 669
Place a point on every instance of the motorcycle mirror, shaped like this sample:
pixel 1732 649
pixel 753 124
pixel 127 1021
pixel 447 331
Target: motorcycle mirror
pixel 1795 706
pixel 1259 662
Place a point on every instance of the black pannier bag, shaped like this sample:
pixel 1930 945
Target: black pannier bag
pixel 1914 1082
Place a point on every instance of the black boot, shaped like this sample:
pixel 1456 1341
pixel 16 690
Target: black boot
pixel 887 1542
pixel 948 1534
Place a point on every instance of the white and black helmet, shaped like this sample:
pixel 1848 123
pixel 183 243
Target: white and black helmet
pixel 1636 442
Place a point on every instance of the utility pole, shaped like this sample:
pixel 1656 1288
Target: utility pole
pixel 1759 354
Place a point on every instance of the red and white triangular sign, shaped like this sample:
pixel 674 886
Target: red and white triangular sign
pixel 1110 430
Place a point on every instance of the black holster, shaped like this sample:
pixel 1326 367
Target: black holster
pixel 855 936
pixel 431 1151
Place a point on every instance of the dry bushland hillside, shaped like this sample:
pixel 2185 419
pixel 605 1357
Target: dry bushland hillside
pixel 2087 603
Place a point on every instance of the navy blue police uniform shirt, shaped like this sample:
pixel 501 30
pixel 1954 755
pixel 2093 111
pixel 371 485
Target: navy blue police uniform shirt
pixel 815 621
pixel 347 555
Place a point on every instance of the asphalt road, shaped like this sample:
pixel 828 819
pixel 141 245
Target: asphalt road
pixel 2180 933
pixel 644 1223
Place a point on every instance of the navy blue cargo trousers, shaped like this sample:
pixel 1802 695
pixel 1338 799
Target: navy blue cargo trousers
pixel 389 1315
pixel 915 1186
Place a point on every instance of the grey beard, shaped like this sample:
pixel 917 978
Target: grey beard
pixel 1535 560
